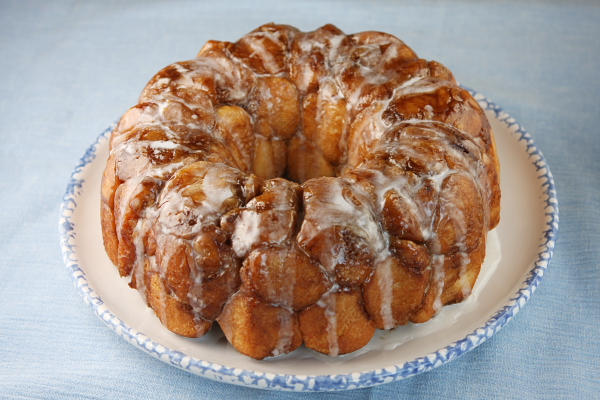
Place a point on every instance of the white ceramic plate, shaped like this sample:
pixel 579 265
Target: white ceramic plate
pixel 526 236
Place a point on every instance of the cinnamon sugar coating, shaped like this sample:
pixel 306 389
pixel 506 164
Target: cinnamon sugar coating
pixel 300 187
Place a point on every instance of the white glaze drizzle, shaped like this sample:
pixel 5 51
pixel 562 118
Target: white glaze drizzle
pixel 385 282
pixel 139 264
pixel 328 304
pixel 286 333
pixel 437 263
pixel 247 232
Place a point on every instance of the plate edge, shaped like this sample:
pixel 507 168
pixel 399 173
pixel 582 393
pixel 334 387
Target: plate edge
pixel 320 382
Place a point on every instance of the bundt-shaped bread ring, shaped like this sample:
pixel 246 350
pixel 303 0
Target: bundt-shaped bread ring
pixel 301 188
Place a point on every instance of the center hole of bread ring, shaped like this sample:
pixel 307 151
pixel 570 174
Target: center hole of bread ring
pixel 291 136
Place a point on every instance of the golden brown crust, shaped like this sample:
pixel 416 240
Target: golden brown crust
pixel 274 104
pixel 284 276
pixel 325 121
pixel 303 153
pixel 397 288
pixel 259 329
pixel 339 327
pixel 235 129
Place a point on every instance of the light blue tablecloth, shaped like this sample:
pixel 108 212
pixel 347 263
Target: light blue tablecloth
pixel 70 68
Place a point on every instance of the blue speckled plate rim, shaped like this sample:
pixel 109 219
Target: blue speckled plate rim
pixel 317 382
